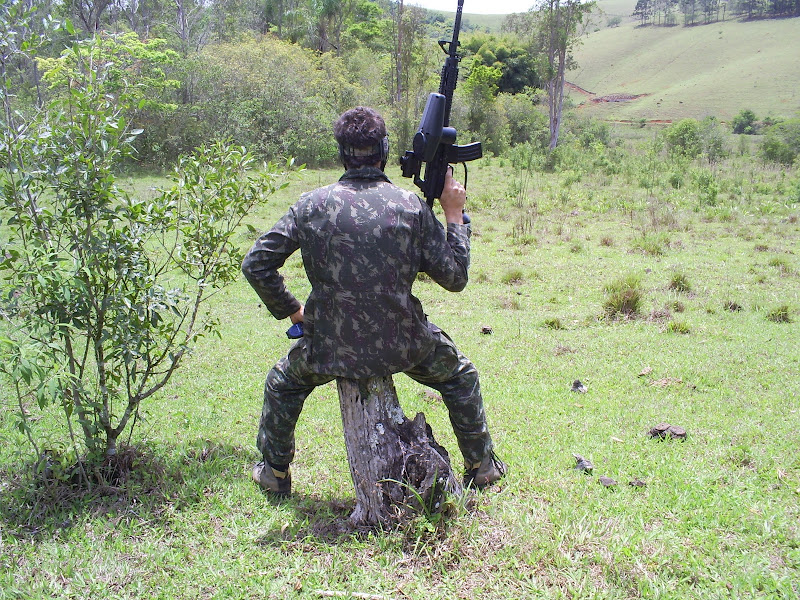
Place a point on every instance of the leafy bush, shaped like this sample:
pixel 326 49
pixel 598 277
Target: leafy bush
pixel 591 131
pixel 105 289
pixel 712 140
pixel 623 296
pixel 275 98
pixel 707 186
pixel 781 142
pixel 794 191
pixel 676 179
pixel 744 122
pixel 683 138
pixel 526 122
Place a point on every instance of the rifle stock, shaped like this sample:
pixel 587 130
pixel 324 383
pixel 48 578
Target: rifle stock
pixel 434 142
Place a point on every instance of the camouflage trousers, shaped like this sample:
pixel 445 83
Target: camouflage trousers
pixel 445 370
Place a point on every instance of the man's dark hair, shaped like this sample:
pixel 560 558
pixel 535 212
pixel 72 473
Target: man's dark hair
pixel 358 130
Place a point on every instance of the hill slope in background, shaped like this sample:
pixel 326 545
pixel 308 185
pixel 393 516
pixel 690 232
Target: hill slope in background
pixel 670 73
pixel 677 72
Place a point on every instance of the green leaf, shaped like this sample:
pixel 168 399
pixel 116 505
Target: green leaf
pixel 69 27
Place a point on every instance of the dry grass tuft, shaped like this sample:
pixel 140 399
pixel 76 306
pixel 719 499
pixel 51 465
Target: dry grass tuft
pixel 623 296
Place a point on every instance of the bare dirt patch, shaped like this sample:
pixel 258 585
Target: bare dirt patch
pixel 617 97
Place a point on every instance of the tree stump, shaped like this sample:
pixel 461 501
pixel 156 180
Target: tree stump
pixel 397 466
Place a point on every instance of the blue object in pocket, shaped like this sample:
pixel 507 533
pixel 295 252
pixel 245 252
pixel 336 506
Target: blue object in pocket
pixel 295 332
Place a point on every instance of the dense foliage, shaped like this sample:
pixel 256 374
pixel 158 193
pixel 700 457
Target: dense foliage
pixel 782 142
pixel 273 76
pixel 103 292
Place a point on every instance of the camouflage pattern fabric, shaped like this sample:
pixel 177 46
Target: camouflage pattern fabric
pixel 363 240
pixel 445 369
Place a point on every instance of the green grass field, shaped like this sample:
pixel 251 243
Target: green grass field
pixel 718 517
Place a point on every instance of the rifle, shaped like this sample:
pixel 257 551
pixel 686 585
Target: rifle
pixel 434 142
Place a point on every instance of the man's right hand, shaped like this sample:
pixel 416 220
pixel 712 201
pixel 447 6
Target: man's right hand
pixel 453 199
pixel 298 317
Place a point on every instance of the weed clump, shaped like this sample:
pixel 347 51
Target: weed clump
pixel 623 296
pixel 512 276
pixel 525 240
pixel 652 244
pixel 732 306
pixel 553 323
pixel 679 282
pixel 780 263
pixel 678 327
pixel 780 314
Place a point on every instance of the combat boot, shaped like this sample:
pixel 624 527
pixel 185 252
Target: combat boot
pixel 489 470
pixel 277 483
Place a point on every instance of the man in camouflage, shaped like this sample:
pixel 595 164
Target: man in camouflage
pixel 363 240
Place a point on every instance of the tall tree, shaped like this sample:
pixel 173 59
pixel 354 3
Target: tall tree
pixel 192 24
pixel 399 53
pixel 554 28
pixel 412 67
pixel 143 16
pixel 326 18
pixel 90 12
pixel 643 10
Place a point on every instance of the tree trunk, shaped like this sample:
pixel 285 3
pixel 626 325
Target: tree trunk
pixel 398 469
pixel 399 65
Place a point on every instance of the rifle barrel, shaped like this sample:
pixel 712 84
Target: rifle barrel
pixel 449 78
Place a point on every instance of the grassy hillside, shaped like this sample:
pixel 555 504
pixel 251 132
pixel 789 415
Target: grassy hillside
pixel 717 69
pixel 474 22
pixel 617 8
pixel 677 72
pixel 489 23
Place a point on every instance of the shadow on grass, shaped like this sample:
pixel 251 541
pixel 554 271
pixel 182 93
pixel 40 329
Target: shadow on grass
pixel 37 499
pixel 325 520
pixel 146 484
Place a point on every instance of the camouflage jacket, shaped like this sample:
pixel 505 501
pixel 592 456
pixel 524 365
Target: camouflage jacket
pixel 363 241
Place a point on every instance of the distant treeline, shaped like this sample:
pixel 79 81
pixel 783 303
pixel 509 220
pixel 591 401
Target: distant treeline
pixel 694 12
pixel 272 75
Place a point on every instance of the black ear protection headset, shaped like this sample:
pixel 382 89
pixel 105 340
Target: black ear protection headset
pixel 380 149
